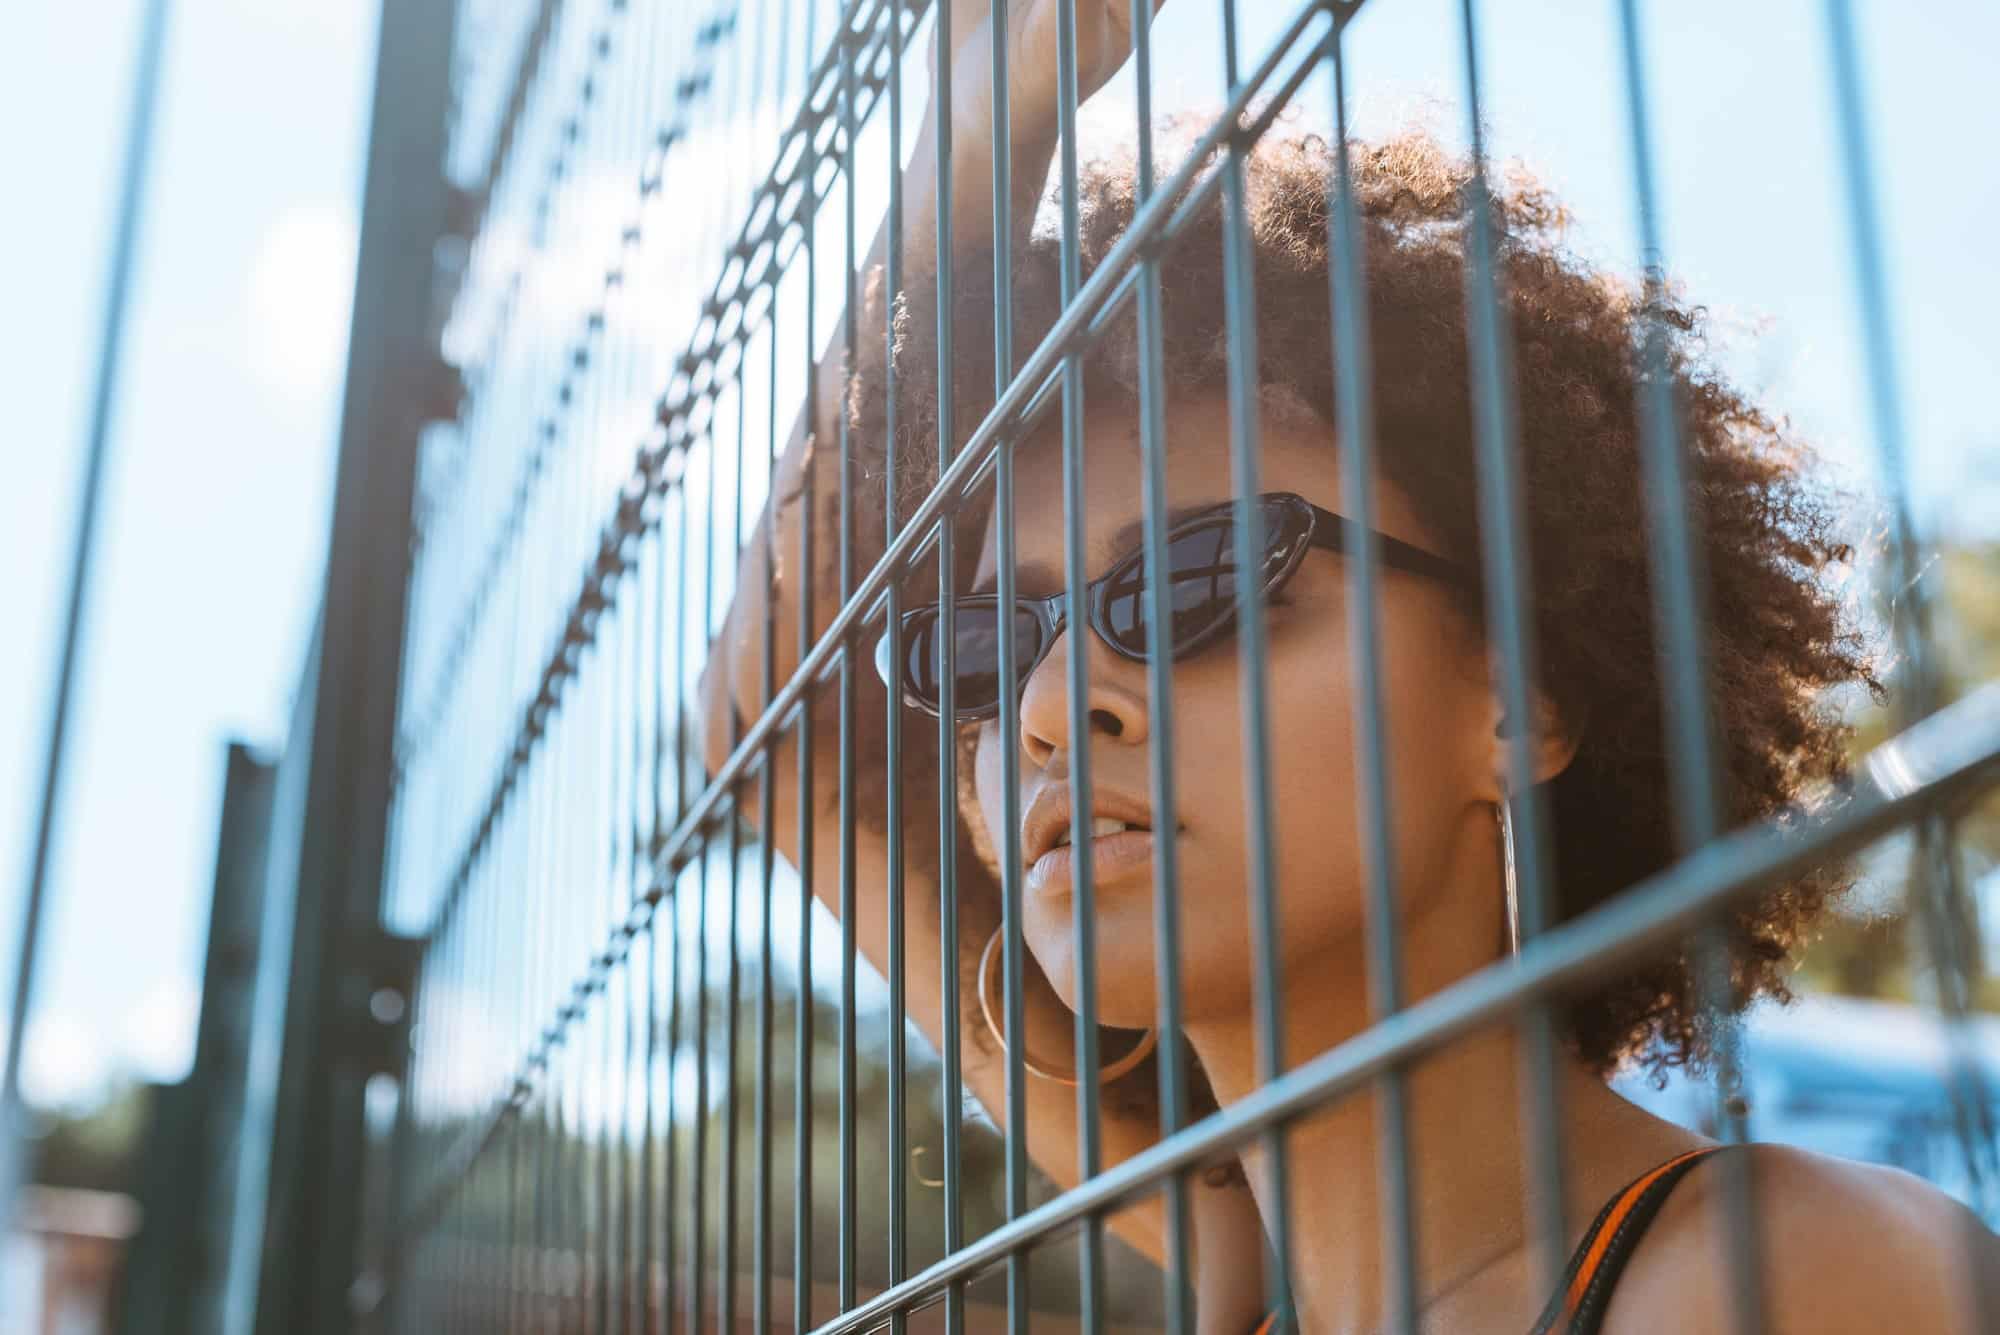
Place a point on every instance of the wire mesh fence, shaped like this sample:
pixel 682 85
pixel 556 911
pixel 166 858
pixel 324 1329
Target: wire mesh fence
pixel 747 748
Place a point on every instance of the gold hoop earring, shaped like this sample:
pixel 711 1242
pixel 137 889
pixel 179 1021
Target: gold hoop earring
pixel 1503 811
pixel 989 1004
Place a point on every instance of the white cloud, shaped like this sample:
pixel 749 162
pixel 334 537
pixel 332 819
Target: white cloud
pixel 300 290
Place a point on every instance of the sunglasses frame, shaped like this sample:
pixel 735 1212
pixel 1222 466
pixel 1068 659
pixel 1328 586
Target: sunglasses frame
pixel 1311 527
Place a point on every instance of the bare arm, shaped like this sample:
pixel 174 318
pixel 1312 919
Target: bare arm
pixel 810 466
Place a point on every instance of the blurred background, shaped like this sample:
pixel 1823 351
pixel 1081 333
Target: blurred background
pixel 198 641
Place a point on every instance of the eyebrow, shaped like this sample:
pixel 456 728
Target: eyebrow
pixel 1128 536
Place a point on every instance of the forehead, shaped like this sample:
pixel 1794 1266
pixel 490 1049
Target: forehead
pixel 1296 454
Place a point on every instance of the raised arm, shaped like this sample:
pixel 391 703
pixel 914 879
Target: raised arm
pixel 809 468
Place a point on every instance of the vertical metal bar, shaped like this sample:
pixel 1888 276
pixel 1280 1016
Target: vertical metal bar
pixel 1681 611
pixel 1508 601
pixel 559 1180
pixel 724 1301
pixel 543 1231
pixel 764 1258
pixel 597 1084
pixel 579 1178
pixel 607 654
pixel 611 652
pixel 1912 622
pixel 1353 370
pixel 631 1150
pixel 527 813
pixel 649 1309
pixel 583 847
pixel 555 1068
pixel 1941 901
pixel 698 1166
pixel 727 1317
pixel 111 346
pixel 607 1214
pixel 802 1121
pixel 1089 1148
pixel 1179 1271
pixel 727 120
pixel 850 49
pixel 521 1264
pixel 1239 298
pixel 671 1244
pixel 482 940
pixel 574 1179
pixel 952 1077
pixel 512 1294
pixel 650 760
pixel 1016 1134
pixel 538 804
pixel 639 81
pixel 899 1137
pixel 649 1206
pixel 670 1252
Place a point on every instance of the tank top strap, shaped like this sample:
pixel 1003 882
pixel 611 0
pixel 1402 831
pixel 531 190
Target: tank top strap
pixel 1578 1304
pixel 1577 1307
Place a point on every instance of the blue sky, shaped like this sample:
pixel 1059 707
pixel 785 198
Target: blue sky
pixel 215 517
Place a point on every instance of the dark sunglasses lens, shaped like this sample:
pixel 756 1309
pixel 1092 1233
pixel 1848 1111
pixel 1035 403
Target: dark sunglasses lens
pixel 975 657
pixel 1201 579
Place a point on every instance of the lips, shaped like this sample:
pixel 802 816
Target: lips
pixel 1113 857
pixel 1120 841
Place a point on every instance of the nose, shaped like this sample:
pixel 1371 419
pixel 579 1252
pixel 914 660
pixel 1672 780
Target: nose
pixel 1115 697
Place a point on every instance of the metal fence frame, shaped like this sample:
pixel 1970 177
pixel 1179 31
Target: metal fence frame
pixel 362 764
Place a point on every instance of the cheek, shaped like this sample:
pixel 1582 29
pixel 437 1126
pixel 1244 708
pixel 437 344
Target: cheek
pixel 1313 748
pixel 986 778
pixel 1317 765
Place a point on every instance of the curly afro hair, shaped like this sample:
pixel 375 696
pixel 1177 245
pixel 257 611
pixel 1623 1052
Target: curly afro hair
pixel 1766 533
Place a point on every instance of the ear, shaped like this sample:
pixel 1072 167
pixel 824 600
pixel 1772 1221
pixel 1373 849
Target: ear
pixel 1552 743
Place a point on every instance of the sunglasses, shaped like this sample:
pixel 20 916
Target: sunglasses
pixel 1203 594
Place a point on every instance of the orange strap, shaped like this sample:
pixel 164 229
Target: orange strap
pixel 1605 1242
pixel 1599 1244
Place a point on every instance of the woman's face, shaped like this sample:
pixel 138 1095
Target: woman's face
pixel 1439 710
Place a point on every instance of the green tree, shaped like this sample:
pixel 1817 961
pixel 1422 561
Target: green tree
pixel 1871 945
pixel 96 1147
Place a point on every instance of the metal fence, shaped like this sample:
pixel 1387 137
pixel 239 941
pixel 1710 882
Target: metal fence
pixel 651 1086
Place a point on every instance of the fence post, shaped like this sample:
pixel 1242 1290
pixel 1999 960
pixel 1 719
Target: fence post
pixel 175 1272
pixel 313 1208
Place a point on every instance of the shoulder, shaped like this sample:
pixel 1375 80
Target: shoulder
pixel 1846 1247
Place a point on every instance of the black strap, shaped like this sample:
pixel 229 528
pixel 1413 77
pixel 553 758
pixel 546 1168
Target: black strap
pixel 1631 1226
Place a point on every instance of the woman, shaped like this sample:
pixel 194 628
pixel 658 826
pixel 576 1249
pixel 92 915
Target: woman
pixel 1847 1247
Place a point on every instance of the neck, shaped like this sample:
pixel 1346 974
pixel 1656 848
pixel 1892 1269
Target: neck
pixel 1465 1113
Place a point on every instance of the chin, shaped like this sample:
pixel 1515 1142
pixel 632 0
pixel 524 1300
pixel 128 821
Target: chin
pixel 1127 995
pixel 1125 981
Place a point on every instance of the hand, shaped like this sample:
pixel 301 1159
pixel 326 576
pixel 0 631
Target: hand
pixel 1103 42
